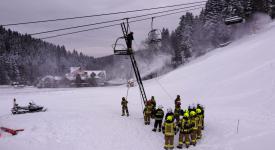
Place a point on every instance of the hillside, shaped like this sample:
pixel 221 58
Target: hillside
pixel 234 83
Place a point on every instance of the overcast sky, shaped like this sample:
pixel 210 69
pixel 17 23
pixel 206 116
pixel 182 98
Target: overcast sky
pixel 93 43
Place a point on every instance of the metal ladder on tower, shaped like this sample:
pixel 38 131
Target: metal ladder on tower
pixel 128 37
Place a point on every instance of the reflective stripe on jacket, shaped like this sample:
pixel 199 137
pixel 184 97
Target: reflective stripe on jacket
pixel 169 128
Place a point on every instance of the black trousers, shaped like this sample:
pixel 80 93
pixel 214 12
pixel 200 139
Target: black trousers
pixel 157 124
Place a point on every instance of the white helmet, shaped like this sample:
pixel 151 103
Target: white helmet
pixel 169 110
pixel 160 107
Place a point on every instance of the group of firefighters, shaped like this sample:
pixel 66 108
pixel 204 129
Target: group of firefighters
pixel 189 123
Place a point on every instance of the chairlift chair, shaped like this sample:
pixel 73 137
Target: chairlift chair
pixel 154 36
pixel 120 49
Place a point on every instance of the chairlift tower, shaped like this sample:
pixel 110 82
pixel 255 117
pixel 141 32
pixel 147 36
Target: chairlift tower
pixel 128 37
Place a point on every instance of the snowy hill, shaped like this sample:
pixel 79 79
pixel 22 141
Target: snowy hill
pixel 234 83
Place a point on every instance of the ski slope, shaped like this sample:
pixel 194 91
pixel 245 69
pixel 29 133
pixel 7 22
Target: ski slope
pixel 234 83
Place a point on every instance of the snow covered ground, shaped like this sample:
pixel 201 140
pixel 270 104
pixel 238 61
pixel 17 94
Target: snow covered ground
pixel 234 83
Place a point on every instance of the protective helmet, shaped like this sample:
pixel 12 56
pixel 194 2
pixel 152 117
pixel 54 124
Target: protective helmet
pixel 169 110
pixel 169 118
pixel 186 115
pixel 198 110
pixel 186 111
pixel 192 113
pixel 160 107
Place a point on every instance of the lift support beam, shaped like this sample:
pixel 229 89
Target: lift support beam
pixel 128 36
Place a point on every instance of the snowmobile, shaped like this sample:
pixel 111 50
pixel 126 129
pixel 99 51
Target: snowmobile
pixel 31 108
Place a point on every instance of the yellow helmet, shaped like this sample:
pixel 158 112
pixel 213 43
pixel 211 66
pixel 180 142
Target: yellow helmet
pixel 198 110
pixel 186 115
pixel 192 113
pixel 169 118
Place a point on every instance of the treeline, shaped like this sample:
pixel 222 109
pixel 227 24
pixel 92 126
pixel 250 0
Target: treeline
pixel 25 59
pixel 196 35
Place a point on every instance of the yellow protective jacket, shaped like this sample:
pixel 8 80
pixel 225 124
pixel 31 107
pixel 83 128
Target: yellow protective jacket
pixel 200 116
pixel 147 111
pixel 124 103
pixel 169 128
pixel 195 122
pixel 185 125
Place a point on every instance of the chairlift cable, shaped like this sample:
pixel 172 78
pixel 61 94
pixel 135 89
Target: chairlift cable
pixel 110 21
pixel 107 26
pixel 98 15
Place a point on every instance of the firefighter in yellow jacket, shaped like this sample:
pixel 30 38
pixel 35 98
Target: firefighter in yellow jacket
pixel 194 121
pixel 185 129
pixel 169 130
pixel 124 103
pixel 200 120
pixel 147 113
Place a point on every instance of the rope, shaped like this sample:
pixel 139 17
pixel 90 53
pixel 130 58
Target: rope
pixel 164 89
pixel 127 92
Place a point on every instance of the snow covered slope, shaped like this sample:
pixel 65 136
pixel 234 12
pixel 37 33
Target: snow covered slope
pixel 234 83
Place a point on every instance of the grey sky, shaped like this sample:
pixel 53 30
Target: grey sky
pixel 94 43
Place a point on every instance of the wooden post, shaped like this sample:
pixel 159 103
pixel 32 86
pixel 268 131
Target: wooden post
pixel 238 126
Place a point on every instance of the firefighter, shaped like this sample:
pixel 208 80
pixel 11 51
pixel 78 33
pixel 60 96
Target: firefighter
pixel 129 39
pixel 202 114
pixel 169 130
pixel 177 101
pixel 158 118
pixel 147 113
pixel 169 113
pixel 124 103
pixel 153 103
pixel 185 128
pixel 200 118
pixel 177 112
pixel 194 121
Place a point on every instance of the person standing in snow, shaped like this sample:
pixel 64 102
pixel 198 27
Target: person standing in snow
pixel 201 115
pixel 153 103
pixel 124 103
pixel 169 130
pixel 177 101
pixel 177 112
pixel 194 121
pixel 147 113
pixel 200 118
pixel 185 129
pixel 158 118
